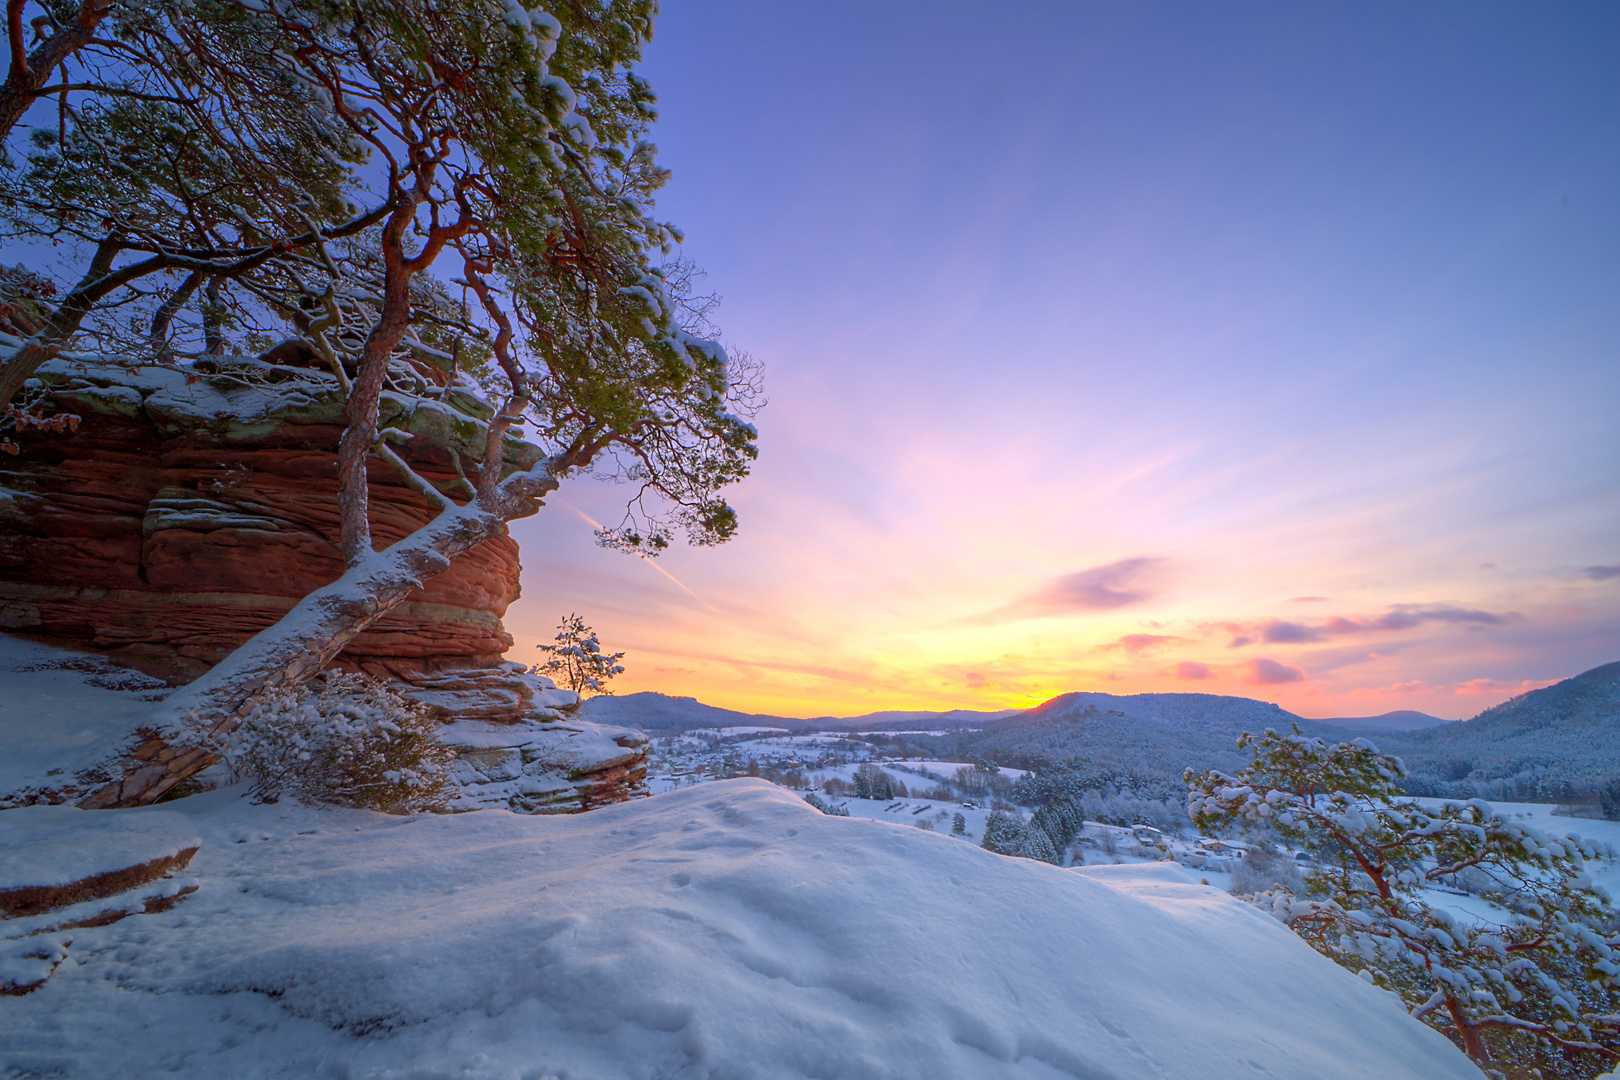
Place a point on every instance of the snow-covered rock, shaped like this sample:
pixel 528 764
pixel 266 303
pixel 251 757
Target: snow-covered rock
pixel 545 767
pixel 69 721
pixel 53 856
pixel 721 931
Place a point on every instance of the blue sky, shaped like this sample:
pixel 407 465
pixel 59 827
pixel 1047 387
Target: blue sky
pixel 1264 302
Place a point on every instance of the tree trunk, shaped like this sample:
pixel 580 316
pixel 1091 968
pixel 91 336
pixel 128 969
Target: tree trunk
pixel 165 315
pixel 30 71
pixel 213 318
pixel 1473 1043
pixel 63 323
pixel 310 636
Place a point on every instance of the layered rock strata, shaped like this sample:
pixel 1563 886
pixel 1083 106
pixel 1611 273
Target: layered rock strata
pixel 193 507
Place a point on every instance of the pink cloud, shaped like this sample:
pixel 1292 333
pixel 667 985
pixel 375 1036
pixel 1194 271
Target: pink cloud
pixel 1137 644
pixel 1101 588
pixel 1264 672
pixel 1495 687
pixel 1187 669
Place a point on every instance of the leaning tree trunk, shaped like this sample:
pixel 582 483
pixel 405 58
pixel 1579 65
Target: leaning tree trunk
pixel 310 636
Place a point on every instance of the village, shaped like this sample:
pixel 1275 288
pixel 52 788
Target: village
pixel 851 773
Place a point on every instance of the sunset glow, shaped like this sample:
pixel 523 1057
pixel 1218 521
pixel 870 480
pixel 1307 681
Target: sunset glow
pixel 1266 351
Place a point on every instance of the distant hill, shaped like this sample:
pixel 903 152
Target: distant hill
pixel 1400 720
pixel 1544 746
pixel 651 711
pixel 1541 746
pixel 1138 742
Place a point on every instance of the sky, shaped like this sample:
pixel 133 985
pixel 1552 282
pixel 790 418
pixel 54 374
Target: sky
pixel 1254 348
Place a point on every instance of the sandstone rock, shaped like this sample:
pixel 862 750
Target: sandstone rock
pixel 559 767
pixel 62 869
pixel 194 507
pixel 183 517
pixel 55 856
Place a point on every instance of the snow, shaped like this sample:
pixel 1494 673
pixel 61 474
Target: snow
pixel 727 930
pixel 58 845
pixel 72 711
pixel 1538 816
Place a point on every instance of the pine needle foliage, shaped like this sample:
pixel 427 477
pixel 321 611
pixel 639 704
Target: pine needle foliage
pixel 1534 986
pixel 576 661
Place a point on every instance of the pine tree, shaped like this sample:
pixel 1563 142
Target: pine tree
pixel 1533 985
pixel 577 661
pixel 1037 844
pixel 1003 834
pixel 958 825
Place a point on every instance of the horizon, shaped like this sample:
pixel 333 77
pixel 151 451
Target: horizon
pixel 1263 352
pixel 995 712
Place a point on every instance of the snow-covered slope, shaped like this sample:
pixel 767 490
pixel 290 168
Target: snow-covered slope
pixel 722 931
pixel 62 712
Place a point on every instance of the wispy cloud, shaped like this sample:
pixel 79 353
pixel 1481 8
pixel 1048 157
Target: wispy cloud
pixel 1603 573
pixel 1497 687
pixel 1101 588
pixel 1269 673
pixel 1188 669
pixel 1139 644
pixel 1398 617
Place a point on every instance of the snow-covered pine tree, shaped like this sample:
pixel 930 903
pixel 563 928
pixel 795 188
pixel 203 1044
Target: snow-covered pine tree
pixel 1036 843
pixel 576 661
pixel 1003 833
pixel 1534 986
pixel 498 141
pixel 958 825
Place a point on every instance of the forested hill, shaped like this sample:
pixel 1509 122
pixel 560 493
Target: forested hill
pixel 1545 745
pixel 1549 745
pixel 1141 743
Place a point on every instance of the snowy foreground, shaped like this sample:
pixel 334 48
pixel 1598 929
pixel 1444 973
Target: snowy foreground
pixel 728 930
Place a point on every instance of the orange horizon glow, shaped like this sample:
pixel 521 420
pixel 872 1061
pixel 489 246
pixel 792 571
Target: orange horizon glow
pixel 1267 352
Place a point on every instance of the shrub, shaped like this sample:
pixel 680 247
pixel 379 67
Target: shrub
pixel 840 810
pixel 354 742
pixel 1262 871
pixel 576 661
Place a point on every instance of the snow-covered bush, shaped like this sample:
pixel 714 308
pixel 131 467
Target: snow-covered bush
pixel 1262 871
pixel 1535 986
pixel 354 743
pixel 838 810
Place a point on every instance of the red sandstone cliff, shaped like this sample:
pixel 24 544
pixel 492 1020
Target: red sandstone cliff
pixel 192 507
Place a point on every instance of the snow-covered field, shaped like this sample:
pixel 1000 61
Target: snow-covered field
pixel 728 930
pixel 1539 816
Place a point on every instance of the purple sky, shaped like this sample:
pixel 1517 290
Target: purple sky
pixel 1266 349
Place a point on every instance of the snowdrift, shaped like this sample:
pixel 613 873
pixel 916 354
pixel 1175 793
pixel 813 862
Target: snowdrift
pixel 727 930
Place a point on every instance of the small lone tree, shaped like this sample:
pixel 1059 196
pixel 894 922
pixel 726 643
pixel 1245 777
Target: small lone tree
pixel 1536 984
pixel 577 661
